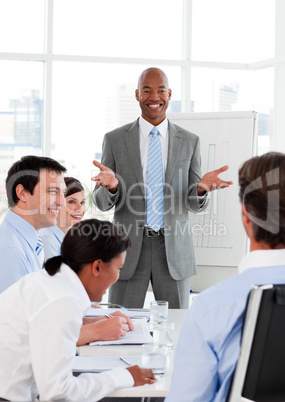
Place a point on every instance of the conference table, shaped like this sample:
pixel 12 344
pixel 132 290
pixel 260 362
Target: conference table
pixel 161 387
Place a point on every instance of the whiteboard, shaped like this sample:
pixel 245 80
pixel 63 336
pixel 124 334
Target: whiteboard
pixel 227 138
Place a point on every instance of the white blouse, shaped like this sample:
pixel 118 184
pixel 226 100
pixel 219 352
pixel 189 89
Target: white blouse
pixel 40 321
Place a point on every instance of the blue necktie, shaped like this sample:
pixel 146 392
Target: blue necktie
pixel 155 183
pixel 39 251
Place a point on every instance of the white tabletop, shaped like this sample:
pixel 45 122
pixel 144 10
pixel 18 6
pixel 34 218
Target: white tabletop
pixel 161 387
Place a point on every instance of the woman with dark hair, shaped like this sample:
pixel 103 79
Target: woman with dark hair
pixel 94 329
pixel 68 216
pixel 41 316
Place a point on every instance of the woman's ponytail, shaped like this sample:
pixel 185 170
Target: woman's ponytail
pixel 52 265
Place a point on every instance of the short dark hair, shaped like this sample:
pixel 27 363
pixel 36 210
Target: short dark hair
pixel 87 241
pixel 72 186
pixel 262 191
pixel 26 171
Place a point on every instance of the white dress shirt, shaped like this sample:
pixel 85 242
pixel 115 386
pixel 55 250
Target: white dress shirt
pixel 145 128
pixel 40 321
pixel 262 258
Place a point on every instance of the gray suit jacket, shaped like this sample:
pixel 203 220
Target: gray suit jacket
pixel 121 153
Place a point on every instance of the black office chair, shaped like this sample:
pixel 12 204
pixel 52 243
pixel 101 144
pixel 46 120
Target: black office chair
pixel 260 372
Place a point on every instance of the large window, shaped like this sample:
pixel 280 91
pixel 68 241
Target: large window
pixel 240 31
pixel 21 115
pixel 119 28
pixel 69 69
pixel 22 26
pixel 85 109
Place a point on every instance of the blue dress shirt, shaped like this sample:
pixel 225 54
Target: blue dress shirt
pixel 18 243
pixel 52 238
pixel 209 343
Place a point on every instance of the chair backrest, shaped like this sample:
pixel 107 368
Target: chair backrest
pixel 260 372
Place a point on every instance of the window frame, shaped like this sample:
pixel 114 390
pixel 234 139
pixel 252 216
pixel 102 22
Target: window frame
pixel 277 140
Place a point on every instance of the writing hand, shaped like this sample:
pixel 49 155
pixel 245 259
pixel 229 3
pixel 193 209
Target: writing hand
pixel 128 320
pixel 106 177
pixel 112 328
pixel 211 181
pixel 141 376
pixel 104 329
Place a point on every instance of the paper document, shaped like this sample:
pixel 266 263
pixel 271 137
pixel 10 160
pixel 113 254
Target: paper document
pixel 99 312
pixel 139 335
pixel 96 364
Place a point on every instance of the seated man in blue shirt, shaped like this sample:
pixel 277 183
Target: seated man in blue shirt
pixel 209 343
pixel 35 190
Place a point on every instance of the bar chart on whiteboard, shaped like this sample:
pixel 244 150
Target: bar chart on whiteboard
pixel 226 138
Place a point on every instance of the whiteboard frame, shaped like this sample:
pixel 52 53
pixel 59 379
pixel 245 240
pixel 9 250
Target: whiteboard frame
pixel 227 258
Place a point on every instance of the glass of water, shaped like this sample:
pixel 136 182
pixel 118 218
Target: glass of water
pixel 163 334
pixel 154 357
pixel 158 312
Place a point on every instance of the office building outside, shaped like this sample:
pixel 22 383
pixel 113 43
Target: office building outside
pixel 228 97
pixel 21 128
pixel 122 108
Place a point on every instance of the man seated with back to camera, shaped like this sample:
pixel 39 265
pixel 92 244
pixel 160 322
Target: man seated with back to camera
pixel 209 344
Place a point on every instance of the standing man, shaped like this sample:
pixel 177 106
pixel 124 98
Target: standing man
pixel 151 173
pixel 35 187
pixel 209 344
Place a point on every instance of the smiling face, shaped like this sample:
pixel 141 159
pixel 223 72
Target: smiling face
pixel 73 212
pixel 42 207
pixel 153 95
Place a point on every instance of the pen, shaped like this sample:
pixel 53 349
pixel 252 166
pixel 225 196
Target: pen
pixel 124 360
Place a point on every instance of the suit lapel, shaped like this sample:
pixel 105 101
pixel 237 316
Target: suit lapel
pixel 132 141
pixel 174 145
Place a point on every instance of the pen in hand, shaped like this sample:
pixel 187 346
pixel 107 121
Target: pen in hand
pixel 124 360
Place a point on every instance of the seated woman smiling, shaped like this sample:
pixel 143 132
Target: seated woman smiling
pixel 70 214
pixel 41 316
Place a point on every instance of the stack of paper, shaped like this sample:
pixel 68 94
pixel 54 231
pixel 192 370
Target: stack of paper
pixel 97 364
pixel 99 312
pixel 139 335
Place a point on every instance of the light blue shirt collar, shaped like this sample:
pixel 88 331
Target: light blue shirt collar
pixel 24 228
pixel 57 232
